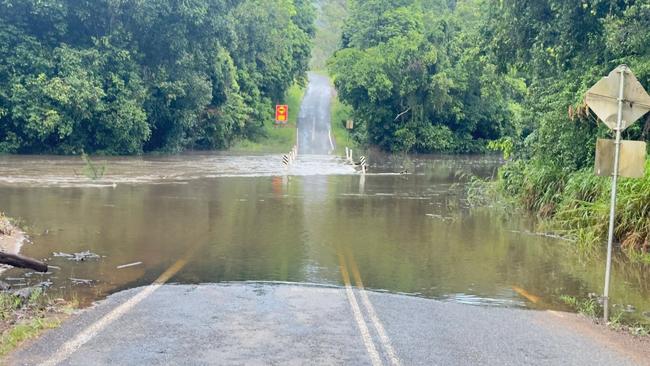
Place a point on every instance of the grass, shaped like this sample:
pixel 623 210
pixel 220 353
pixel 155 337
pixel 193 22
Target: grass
pixel 588 307
pixel 576 205
pixel 91 169
pixel 23 319
pixel 339 115
pixel 277 139
pixel 6 228
pixel 591 308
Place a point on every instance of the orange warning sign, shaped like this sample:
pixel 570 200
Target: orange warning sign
pixel 281 113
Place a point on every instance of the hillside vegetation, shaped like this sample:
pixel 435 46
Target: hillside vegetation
pixel 125 77
pixel 472 75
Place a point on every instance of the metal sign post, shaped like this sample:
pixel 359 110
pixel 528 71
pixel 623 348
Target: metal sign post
pixel 612 210
pixel 618 102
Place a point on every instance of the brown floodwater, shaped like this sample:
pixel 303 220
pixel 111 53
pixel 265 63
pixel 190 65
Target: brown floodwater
pixel 247 218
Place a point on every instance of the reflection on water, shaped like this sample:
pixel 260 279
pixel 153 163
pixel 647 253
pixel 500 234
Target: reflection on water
pixel 410 233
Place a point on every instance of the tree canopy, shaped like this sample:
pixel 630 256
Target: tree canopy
pixel 123 77
pixel 450 76
pixel 419 78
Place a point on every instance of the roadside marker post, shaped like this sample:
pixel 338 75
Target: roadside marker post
pixel 363 163
pixel 618 100
pixel 290 158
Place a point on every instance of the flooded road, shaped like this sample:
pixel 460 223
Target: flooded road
pixel 252 220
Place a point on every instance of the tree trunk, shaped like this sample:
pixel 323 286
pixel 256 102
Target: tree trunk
pixel 22 262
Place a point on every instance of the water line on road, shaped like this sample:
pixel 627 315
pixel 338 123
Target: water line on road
pixel 71 346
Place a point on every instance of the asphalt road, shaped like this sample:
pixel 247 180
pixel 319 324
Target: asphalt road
pixel 294 324
pixel 314 129
pixel 289 324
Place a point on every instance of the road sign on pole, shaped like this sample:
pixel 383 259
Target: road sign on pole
pixel 603 97
pixel 632 158
pixel 618 100
pixel 281 113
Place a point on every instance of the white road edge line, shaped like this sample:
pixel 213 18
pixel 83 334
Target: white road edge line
pixel 71 346
pixel 329 134
pixel 358 317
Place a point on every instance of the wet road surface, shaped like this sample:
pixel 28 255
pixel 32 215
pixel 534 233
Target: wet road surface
pixel 252 219
pixel 287 324
pixel 314 128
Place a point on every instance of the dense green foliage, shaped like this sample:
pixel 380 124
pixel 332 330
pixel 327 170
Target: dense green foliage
pixel 123 77
pixel 561 48
pixel 419 77
pixel 460 76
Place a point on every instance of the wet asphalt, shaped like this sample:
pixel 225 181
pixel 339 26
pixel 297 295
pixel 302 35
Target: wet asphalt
pixel 314 135
pixel 291 324
pixel 296 324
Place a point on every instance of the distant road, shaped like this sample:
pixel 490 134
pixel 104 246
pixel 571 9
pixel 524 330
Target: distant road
pixel 314 135
pixel 287 324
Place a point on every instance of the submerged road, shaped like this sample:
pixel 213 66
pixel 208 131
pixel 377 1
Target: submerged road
pixel 287 324
pixel 314 128
pixel 300 324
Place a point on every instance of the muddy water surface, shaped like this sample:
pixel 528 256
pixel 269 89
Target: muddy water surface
pixel 250 219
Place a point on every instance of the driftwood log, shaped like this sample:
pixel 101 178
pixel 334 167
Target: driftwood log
pixel 20 261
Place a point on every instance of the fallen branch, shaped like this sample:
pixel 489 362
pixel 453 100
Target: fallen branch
pixel 20 261
pixel 401 114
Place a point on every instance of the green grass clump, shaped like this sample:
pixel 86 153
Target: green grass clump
pixel 276 139
pixel 92 170
pixel 6 228
pixel 588 307
pixel 23 319
pixel 339 115
pixel 577 204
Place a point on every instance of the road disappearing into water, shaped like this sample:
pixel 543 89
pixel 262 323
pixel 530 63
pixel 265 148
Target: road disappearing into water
pixel 282 323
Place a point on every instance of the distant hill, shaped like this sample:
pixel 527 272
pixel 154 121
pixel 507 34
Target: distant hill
pixel 331 15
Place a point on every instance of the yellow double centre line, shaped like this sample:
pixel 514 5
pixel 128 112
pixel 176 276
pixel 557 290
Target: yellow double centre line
pixel 370 310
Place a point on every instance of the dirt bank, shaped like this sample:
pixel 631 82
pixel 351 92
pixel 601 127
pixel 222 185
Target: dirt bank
pixel 11 238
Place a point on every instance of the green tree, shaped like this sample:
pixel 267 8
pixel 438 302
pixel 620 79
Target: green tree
pixel 123 77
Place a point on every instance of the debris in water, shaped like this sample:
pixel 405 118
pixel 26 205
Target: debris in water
pixel 77 257
pixel 81 281
pixel 440 217
pixel 129 265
